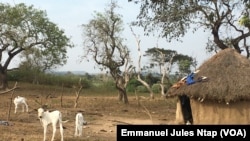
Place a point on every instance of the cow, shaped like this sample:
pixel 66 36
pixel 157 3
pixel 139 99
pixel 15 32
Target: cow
pixel 53 118
pixel 79 122
pixel 21 101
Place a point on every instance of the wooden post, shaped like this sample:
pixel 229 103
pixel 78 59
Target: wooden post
pixel 8 118
pixel 61 96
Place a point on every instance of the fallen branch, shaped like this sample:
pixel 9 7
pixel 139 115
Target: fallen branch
pixel 9 90
pixel 145 108
pixel 147 112
pixel 120 122
pixel 98 114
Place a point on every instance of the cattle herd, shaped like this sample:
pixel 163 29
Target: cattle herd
pixel 54 117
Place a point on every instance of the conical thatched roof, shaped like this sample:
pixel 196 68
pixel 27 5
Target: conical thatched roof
pixel 228 75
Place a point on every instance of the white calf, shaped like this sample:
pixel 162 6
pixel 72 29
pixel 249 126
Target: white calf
pixel 79 123
pixel 53 118
pixel 20 101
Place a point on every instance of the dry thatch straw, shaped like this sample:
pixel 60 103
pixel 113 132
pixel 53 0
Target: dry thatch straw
pixel 228 75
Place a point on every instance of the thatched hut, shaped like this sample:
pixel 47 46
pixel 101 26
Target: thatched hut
pixel 225 97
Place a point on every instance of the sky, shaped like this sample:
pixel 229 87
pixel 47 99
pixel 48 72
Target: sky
pixel 69 15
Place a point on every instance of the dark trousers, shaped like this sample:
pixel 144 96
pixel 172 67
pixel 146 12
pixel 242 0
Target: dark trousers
pixel 186 109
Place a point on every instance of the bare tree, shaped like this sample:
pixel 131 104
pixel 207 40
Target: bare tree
pixel 78 91
pixel 104 44
pixel 138 41
pixel 165 68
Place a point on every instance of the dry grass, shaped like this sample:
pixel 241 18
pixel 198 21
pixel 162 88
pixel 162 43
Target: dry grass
pixel 101 112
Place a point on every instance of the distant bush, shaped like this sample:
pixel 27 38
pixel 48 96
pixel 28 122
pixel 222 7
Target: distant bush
pixel 132 85
pixel 104 86
pixel 141 89
pixel 156 88
pixel 68 80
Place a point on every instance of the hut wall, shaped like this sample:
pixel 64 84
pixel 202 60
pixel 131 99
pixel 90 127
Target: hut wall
pixel 179 117
pixel 209 112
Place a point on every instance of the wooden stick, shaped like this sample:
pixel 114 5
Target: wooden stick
pixel 11 101
pixel 120 122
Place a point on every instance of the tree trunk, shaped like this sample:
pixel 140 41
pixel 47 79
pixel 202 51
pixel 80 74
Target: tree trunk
pixel 139 67
pixel 78 92
pixel 121 87
pixel 125 97
pixel 3 80
pixel 122 95
pixel 151 93
pixel 217 40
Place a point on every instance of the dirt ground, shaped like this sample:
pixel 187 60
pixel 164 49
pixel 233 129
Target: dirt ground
pixel 103 114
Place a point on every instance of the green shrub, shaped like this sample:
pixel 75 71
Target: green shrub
pixel 156 88
pixel 132 85
pixel 141 89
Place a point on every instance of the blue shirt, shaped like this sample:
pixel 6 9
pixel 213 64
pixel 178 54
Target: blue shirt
pixel 190 79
